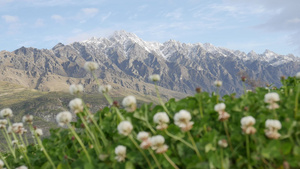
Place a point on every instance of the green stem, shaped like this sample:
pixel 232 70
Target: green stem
pixel 195 146
pixel 160 100
pixel 44 150
pixel 80 142
pixel 248 151
pixel 8 140
pixel 222 161
pixel 155 159
pixel 201 110
pixel 119 114
pixel 227 134
pixel 179 139
pixel 296 102
pixel 142 152
pixel 147 121
pixel 5 162
pixel 22 141
pixel 170 161
pixel 217 95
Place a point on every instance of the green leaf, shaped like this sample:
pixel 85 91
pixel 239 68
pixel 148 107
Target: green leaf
pixel 129 165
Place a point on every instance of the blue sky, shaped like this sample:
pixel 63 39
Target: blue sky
pixel 235 24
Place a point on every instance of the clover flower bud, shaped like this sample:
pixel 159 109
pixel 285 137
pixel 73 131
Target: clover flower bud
pixel 91 66
pixel 105 88
pixel 76 105
pixel 103 157
pixel 243 78
pixel 223 143
pixel 7 112
pixel 22 167
pixel 182 120
pixel 129 103
pixel 161 118
pixel 1 164
pixel 39 132
pixel 76 89
pixel 14 142
pixel 63 118
pixel 120 151
pixel 154 77
pixel 3 123
pixel 157 143
pixel 198 90
pixel 282 77
pixel 218 83
pixel 298 75
pixel 27 119
pixel 125 128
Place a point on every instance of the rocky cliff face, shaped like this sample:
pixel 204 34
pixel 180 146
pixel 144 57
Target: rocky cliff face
pixel 127 61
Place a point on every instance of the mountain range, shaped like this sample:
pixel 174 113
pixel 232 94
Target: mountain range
pixel 126 61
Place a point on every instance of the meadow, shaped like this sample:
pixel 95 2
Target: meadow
pixel 259 129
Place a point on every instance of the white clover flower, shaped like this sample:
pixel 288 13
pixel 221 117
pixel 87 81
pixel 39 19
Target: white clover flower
pixel 129 103
pixel 182 120
pixel 63 118
pixel 247 125
pixel 272 128
pixel 271 97
pixel 157 143
pixel 220 107
pixel 223 116
pixel 7 112
pixel 218 83
pixel 1 164
pixel 298 75
pixel 76 105
pixel 76 89
pixel 120 151
pixel 273 106
pixel 27 119
pixel 22 167
pixel 272 134
pixel 161 118
pixel 125 128
pixel 103 157
pixel 105 88
pixel 248 121
pixel 223 143
pixel 273 124
pixel 154 77
pixel 142 136
pixel 91 66
pixel 17 128
pixel 39 132
pixel 14 142
pixel 3 123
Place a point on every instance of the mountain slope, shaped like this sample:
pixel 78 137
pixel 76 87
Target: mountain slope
pixel 126 61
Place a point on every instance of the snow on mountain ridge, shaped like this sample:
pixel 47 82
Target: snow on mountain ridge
pixel 168 48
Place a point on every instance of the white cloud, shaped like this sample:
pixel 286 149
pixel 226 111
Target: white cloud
pixel 10 18
pixel 176 14
pixel 294 20
pixel 90 12
pixel 57 18
pixel 39 23
pixel 103 18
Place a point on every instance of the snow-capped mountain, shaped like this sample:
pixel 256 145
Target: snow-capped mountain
pixel 127 60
